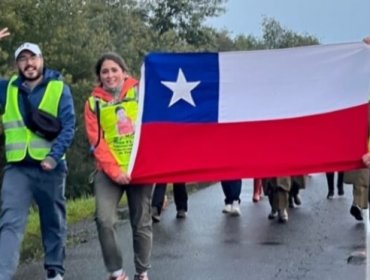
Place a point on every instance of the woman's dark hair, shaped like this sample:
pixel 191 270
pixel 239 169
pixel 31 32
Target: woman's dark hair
pixel 110 56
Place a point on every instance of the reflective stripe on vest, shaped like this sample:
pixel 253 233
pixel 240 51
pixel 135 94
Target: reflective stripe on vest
pixel 117 122
pixel 18 138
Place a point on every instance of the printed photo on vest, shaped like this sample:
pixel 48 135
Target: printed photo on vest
pixel 124 123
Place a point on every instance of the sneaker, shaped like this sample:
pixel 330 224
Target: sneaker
pixel 272 215
pixel 235 208
pixel 142 276
pixel 156 218
pixel 123 276
pixel 181 214
pixel 283 216
pixel 53 275
pixel 227 209
pixel 356 212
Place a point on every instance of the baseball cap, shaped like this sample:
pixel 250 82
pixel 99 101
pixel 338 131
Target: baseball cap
pixel 29 47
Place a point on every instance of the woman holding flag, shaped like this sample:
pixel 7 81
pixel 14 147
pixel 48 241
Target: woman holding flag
pixel 111 147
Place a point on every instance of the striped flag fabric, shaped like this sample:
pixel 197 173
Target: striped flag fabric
pixel 251 114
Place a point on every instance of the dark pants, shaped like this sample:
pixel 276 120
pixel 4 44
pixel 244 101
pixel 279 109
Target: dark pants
pixel 232 190
pixel 107 196
pixel 179 193
pixel 330 180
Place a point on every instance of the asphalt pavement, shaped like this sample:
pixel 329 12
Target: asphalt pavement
pixel 321 241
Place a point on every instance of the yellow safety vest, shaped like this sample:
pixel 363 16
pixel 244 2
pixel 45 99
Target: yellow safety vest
pixel 117 122
pixel 18 138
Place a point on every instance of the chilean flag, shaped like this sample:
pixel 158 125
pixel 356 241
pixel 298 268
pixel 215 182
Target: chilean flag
pixel 252 114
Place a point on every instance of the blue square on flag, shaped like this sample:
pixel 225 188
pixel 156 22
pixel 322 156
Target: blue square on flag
pixel 181 87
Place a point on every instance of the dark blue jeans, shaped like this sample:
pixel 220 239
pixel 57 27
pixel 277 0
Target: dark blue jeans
pixel 232 190
pixel 179 193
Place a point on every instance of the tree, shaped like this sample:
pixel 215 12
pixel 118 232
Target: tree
pixel 275 36
pixel 248 43
pixel 184 17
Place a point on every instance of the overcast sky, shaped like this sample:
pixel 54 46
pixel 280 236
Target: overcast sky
pixel 331 21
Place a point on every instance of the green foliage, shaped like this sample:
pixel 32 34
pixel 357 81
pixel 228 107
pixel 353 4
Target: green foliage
pixel 276 37
pixel 73 34
pixel 80 162
pixel 183 17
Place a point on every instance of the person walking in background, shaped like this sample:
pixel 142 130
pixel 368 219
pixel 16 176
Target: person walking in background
pixel 360 179
pixel 180 197
pixel 277 190
pixel 294 198
pixel 366 160
pixel 35 155
pixel 330 179
pixel 232 190
pixel 257 190
pixel 112 150
pixel 366 40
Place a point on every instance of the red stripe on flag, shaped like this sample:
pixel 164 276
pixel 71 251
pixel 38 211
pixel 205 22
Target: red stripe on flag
pixel 180 152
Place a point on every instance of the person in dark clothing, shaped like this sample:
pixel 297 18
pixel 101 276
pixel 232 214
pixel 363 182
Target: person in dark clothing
pixel 330 179
pixel 232 190
pixel 180 197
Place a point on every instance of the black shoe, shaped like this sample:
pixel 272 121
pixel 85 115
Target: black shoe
pixel 330 195
pixel 340 190
pixel 272 215
pixel 294 192
pixel 356 212
pixel 297 199
pixel 53 275
pixel 290 201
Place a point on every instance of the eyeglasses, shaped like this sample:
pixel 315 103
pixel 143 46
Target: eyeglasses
pixel 24 58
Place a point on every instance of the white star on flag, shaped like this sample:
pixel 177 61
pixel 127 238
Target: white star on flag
pixel 181 89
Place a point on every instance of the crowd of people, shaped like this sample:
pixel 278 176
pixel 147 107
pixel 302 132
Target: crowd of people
pixel 36 167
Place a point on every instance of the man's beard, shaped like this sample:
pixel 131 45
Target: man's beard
pixel 31 79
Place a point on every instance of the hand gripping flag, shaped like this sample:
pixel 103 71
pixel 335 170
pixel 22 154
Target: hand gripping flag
pixel 213 116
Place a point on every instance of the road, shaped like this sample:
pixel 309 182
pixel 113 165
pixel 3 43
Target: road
pixel 321 241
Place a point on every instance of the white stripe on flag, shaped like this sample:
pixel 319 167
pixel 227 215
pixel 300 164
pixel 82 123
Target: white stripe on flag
pixel 293 82
pixel 138 121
